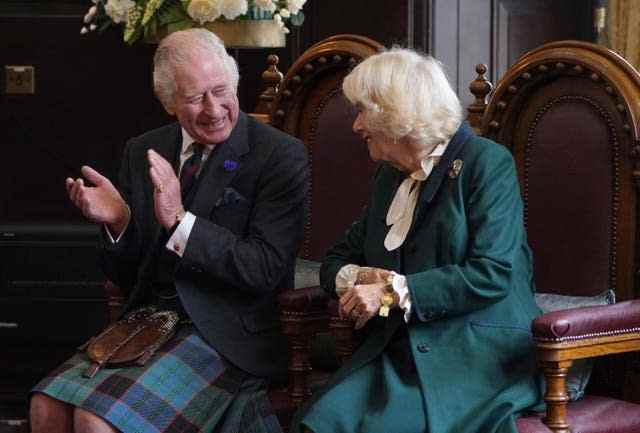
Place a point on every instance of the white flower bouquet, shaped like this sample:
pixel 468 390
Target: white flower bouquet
pixel 147 19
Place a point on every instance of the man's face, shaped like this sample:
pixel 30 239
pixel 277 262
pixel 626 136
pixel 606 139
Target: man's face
pixel 205 102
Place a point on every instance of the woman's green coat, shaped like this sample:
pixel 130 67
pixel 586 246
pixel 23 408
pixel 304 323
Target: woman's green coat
pixel 469 272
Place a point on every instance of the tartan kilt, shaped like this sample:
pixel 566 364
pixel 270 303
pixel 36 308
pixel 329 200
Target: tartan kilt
pixel 185 387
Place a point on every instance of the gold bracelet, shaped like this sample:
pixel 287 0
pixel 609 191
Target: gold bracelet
pixel 386 301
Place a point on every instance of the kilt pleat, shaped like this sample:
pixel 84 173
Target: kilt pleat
pixel 185 387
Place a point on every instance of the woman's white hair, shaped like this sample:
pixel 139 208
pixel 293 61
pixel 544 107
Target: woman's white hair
pixel 405 95
pixel 176 48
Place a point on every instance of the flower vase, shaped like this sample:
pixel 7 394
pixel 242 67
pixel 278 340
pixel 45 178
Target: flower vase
pixel 248 33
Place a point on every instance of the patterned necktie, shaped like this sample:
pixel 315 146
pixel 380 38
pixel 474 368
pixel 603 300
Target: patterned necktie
pixel 190 169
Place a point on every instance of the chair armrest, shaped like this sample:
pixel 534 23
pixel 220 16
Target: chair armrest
pixel 584 326
pixel 567 335
pixel 346 338
pixel 307 300
pixel 303 313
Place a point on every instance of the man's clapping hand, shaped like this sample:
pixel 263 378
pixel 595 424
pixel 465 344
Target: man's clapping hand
pixel 100 202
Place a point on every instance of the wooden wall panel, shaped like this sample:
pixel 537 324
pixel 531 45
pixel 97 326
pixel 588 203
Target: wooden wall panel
pixel 461 38
pixel 497 32
pixel 91 94
pixel 521 26
pixel 382 20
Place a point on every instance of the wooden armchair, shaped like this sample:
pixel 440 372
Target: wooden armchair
pixel 308 103
pixel 569 112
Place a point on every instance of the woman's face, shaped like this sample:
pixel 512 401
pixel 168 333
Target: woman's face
pixel 381 147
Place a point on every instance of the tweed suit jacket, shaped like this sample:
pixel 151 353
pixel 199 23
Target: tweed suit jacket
pixel 469 273
pixel 249 208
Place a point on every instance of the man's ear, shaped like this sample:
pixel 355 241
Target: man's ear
pixel 169 106
pixel 170 109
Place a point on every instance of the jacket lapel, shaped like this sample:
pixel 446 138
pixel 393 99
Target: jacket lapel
pixel 219 169
pixel 441 170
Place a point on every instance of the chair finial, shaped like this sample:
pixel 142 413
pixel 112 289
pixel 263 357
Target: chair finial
pixel 480 87
pixel 272 78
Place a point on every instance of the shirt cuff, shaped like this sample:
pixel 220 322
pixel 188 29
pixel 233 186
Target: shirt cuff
pixel 346 278
pixel 400 286
pixel 178 241
pixel 110 236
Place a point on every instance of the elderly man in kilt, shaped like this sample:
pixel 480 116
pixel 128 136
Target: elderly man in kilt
pixel 205 222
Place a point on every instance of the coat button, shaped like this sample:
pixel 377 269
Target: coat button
pixel 423 348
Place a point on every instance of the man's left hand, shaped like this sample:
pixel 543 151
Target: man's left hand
pixel 167 197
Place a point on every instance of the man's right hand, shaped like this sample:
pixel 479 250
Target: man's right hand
pixel 101 203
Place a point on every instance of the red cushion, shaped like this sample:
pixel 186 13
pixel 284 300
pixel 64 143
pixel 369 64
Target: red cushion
pixel 591 414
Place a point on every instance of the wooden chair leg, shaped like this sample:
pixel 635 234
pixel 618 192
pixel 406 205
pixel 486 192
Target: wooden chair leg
pixel 343 333
pixel 299 368
pixel 556 397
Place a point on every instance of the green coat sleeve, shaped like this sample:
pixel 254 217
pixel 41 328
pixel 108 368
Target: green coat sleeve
pixel 494 236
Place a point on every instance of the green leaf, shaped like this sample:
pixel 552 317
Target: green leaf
pixel 172 14
pixel 297 19
pixel 152 29
pixel 179 25
pixel 134 36
pixel 105 25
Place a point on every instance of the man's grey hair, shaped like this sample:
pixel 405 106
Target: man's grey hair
pixel 406 95
pixel 176 48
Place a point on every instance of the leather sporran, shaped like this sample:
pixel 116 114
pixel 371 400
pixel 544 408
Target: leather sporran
pixel 131 340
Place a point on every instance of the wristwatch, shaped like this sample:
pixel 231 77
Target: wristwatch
pixel 386 300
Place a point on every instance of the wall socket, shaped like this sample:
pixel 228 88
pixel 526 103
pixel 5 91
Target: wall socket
pixel 20 80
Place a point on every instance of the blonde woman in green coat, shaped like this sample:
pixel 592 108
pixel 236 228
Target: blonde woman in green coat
pixel 437 270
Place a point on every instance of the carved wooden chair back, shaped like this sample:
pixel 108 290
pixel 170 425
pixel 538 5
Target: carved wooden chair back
pixel 310 105
pixel 569 113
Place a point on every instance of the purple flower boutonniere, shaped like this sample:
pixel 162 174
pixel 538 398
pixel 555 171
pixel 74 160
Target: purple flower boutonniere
pixel 230 165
